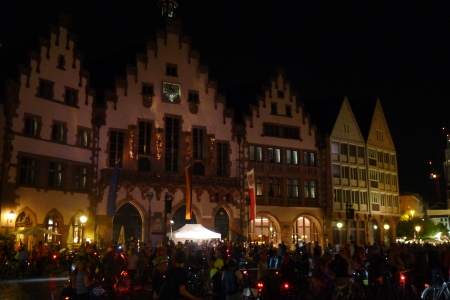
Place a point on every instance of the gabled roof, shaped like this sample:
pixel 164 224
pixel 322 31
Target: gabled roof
pixel 324 113
pixel 363 110
pixel 350 131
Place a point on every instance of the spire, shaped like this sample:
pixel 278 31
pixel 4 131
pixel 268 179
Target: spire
pixel 168 8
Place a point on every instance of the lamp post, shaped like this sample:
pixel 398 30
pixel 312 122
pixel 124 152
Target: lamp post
pixel 386 228
pixel 167 209
pixel 83 220
pixel 149 198
pixel 339 226
pixel 171 225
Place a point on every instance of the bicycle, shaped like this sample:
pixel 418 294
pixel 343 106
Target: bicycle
pixel 436 292
pixel 123 283
pixel 406 290
pixel 350 290
pixel 63 292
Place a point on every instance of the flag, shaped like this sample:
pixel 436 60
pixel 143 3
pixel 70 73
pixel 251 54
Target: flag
pixel 251 192
pixel 111 204
pixel 188 173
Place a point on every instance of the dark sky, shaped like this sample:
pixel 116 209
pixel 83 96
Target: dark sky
pixel 396 50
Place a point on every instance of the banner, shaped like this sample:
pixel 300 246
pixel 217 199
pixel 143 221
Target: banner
pixel 252 193
pixel 111 203
pixel 188 173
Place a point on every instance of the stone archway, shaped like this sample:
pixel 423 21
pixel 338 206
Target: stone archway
pixel 130 218
pixel 222 223
pixel 179 218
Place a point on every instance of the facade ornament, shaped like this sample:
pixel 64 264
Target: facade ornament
pixel 132 132
pixel 187 139
pixel 212 140
pixel 159 135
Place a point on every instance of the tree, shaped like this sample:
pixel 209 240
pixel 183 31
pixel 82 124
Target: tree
pixel 428 229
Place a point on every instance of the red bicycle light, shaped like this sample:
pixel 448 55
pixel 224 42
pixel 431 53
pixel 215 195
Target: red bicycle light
pixel 244 272
pixel 286 285
pixel 402 277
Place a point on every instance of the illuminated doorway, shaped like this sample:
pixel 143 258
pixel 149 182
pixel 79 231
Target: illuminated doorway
pixel 304 230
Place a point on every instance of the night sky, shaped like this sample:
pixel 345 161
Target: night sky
pixel 398 51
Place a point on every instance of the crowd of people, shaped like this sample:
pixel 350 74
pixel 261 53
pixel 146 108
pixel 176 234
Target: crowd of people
pixel 173 262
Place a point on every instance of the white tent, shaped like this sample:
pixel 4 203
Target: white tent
pixel 193 232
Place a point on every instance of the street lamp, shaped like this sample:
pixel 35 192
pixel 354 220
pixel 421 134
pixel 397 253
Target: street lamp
pixel 339 226
pixel 83 220
pixel 412 212
pixel 386 228
pixel 417 229
pixel 11 216
pixel 149 197
pixel 171 225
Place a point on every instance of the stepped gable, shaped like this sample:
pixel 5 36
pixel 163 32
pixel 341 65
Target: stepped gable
pixel 324 113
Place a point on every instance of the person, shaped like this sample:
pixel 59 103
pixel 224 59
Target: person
pixel 218 263
pixel 317 250
pixel 279 253
pixel 41 258
pixel 82 281
pixel 160 264
pixel 215 285
pixel 178 275
pixel 23 259
pixel 263 266
pixel 341 267
pixel 232 280
pixel 132 264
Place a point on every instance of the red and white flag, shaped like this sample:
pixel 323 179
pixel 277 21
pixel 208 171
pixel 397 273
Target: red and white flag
pixel 252 193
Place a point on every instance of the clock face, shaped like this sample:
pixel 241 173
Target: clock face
pixel 171 92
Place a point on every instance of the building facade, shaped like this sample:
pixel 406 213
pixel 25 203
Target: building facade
pixel 61 146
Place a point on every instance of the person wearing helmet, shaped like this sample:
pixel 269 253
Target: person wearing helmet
pixel 160 264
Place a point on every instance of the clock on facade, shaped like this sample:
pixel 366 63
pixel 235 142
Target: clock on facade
pixel 171 92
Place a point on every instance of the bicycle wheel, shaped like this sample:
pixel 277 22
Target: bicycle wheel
pixel 123 285
pixel 434 293
pixel 56 292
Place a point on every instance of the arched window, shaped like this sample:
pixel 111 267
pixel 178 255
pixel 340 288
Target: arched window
pixel 51 223
pixel 304 230
pixel 265 230
pixel 179 218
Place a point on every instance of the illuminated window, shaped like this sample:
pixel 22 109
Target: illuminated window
pixel 259 186
pixel 58 132
pixel 52 225
pixel 265 229
pixel 305 230
pixel 55 174
pixel 83 138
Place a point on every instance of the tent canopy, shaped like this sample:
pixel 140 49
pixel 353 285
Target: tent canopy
pixel 193 232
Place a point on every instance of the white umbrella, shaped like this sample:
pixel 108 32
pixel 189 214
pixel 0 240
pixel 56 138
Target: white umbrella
pixel 34 231
pixel 121 239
